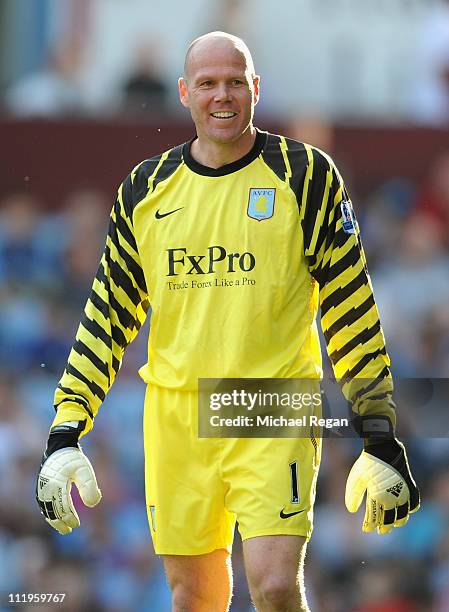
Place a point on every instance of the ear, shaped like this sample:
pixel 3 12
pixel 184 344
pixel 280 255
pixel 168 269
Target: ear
pixel 183 93
pixel 256 85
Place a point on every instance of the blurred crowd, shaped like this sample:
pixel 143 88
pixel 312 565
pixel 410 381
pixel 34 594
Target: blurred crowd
pixel 90 64
pixel 55 88
pixel 47 262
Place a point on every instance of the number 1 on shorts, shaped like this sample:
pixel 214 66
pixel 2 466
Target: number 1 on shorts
pixel 294 482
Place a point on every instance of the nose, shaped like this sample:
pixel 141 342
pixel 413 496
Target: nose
pixel 222 92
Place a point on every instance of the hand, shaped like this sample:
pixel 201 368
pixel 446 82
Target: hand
pixel 63 463
pixel 54 482
pixel 382 471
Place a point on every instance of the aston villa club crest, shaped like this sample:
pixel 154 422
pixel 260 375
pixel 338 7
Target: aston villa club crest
pixel 261 203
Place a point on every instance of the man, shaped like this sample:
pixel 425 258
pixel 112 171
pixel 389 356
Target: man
pixel 272 216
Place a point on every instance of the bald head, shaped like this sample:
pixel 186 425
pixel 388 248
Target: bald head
pixel 216 40
pixel 220 89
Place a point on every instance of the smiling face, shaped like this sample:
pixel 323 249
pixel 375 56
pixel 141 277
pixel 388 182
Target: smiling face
pixel 220 90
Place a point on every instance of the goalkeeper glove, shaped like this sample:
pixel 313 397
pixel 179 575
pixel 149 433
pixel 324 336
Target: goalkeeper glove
pixel 382 471
pixel 63 463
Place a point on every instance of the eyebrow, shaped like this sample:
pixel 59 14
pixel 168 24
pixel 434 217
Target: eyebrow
pixel 208 76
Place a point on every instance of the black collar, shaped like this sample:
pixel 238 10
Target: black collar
pixel 259 143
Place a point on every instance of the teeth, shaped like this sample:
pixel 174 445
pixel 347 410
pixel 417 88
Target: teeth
pixel 223 114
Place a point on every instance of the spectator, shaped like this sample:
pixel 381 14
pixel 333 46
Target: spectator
pixel 52 91
pixel 429 97
pixel 144 89
pixel 433 199
pixel 421 262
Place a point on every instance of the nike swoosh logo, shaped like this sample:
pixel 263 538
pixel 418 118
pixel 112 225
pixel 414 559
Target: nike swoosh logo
pixel 162 215
pixel 286 515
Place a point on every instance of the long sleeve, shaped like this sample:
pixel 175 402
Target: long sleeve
pixel 349 316
pixel 114 313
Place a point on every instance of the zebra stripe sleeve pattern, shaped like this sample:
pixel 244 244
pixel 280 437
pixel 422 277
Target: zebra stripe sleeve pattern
pixel 349 316
pixel 114 313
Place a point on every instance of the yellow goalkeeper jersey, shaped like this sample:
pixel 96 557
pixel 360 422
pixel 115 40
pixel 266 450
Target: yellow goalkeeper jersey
pixel 234 263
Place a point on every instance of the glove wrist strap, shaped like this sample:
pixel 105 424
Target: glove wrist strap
pixel 64 436
pixel 375 429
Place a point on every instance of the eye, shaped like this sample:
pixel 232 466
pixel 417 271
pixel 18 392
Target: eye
pixel 206 83
pixel 237 82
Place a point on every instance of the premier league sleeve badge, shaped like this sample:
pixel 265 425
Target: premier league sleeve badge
pixel 348 218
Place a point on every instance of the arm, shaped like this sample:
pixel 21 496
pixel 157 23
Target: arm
pixel 114 313
pixel 349 317
pixel 356 347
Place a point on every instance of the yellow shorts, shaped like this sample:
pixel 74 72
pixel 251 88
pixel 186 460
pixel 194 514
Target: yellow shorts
pixel 196 488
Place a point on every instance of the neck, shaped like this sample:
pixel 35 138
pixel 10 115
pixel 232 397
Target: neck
pixel 217 154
